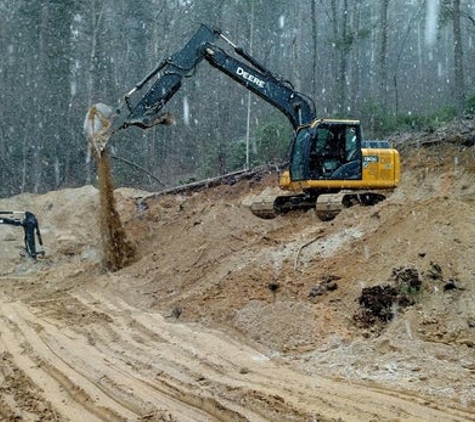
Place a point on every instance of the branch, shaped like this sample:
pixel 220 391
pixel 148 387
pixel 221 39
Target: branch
pixel 296 261
pixel 130 163
pixel 226 179
pixel 470 18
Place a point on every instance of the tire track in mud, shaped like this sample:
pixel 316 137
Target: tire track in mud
pixel 69 393
pixel 190 359
pixel 130 365
pixel 19 397
pixel 171 363
pixel 92 378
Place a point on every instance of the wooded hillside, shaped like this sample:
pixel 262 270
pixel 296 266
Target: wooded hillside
pixel 387 62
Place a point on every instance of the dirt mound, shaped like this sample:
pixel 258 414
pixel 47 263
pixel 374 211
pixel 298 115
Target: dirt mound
pixel 225 316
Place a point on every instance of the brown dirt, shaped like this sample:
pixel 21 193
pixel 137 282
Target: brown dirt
pixel 117 249
pixel 227 317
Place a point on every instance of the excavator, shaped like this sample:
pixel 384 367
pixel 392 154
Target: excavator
pixel 29 222
pixel 329 167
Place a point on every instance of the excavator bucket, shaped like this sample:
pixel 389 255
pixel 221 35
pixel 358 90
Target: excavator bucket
pixel 98 124
pixel 97 127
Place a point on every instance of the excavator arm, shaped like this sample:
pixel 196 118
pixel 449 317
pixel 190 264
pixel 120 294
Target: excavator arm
pixel 144 110
pixel 30 226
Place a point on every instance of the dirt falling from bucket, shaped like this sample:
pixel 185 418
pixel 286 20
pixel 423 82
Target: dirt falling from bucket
pixel 118 250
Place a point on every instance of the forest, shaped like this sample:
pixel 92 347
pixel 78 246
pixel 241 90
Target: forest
pixel 394 64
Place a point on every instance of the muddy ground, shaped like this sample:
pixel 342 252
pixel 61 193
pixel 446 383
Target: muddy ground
pixel 227 317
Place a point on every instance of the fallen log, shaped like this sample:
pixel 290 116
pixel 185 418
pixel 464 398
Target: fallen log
pixel 225 179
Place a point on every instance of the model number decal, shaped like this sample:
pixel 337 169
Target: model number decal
pixel 369 159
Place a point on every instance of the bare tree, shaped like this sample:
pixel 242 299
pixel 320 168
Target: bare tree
pixel 458 58
pixel 450 12
pixel 314 46
pixel 383 54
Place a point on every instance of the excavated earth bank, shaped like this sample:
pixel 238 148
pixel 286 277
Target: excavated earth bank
pixel 227 317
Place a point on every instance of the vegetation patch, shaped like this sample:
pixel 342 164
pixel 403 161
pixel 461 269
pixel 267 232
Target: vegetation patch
pixel 379 304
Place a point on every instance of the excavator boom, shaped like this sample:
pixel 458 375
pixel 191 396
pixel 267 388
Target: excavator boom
pixel 144 110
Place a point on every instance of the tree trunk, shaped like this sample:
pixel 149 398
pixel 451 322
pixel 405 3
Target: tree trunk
pixel 383 56
pixel 458 59
pixel 249 99
pixel 315 71
pixel 345 49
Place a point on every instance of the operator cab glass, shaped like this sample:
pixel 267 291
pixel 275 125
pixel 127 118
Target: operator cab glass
pixel 327 151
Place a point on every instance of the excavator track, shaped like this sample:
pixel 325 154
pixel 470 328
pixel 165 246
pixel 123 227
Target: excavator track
pixel 328 206
pixel 271 207
pixel 264 208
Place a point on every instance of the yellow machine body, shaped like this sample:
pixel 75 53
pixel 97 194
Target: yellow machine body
pixel 381 169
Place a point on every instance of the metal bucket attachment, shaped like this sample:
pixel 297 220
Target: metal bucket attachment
pixel 97 127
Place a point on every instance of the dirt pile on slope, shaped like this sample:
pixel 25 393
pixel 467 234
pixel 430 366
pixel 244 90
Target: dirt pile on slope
pixel 225 316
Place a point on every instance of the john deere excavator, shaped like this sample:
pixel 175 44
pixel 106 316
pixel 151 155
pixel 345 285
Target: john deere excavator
pixel 329 166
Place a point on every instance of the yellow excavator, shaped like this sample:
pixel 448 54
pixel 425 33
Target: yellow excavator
pixel 330 167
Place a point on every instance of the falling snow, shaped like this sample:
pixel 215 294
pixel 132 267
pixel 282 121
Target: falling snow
pixel 432 14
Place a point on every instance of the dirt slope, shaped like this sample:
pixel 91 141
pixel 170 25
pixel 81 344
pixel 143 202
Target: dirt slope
pixel 227 317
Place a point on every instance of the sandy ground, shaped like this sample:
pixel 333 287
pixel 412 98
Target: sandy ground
pixel 227 317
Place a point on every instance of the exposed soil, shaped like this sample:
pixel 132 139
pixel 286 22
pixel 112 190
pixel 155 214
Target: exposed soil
pixel 227 317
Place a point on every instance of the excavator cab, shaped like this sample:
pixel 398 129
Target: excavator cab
pixel 331 168
pixel 327 150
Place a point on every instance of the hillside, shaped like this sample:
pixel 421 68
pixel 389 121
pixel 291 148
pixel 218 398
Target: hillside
pixel 227 317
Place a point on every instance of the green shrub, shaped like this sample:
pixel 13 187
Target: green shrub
pixel 268 144
pixel 470 104
pixel 379 123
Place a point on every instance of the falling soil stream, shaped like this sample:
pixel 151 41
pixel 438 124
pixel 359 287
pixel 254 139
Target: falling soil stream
pixel 118 250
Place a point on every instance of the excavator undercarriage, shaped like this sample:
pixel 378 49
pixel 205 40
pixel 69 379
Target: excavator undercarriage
pixel 326 205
